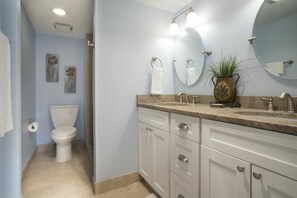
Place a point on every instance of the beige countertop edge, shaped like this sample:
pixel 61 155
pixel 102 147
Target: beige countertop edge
pixel 288 126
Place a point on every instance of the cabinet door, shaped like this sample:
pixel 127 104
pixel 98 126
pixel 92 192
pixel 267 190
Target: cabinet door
pixel 267 184
pixel 160 148
pixel 223 176
pixel 144 152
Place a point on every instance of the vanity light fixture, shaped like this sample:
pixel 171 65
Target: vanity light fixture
pixel 190 21
pixel 59 11
pixel 173 28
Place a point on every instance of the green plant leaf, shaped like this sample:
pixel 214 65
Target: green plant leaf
pixel 226 67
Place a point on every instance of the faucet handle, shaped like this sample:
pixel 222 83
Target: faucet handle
pixel 270 105
pixel 194 99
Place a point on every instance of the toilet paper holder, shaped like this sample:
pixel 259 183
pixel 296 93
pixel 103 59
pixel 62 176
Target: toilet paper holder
pixel 33 125
pixel 30 121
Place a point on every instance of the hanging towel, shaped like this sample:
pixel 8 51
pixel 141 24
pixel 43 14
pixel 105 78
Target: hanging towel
pixel 277 67
pixel 157 80
pixel 191 75
pixel 5 86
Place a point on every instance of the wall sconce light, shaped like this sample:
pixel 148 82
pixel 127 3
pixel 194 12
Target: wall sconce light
pixel 190 21
pixel 173 28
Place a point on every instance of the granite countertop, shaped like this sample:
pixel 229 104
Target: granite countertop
pixel 229 115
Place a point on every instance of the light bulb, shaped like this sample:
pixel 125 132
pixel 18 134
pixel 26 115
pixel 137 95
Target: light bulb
pixel 173 29
pixel 191 19
pixel 59 11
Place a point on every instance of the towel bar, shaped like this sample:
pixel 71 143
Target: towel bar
pixel 290 62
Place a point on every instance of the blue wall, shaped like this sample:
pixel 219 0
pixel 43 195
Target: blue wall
pixel 10 144
pixel 72 53
pixel 28 59
pixel 127 36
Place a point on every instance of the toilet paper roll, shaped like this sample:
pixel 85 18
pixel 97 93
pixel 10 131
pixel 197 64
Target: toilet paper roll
pixel 33 127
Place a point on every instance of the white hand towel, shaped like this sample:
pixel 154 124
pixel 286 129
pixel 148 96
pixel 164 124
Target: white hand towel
pixel 5 86
pixel 157 80
pixel 191 75
pixel 277 67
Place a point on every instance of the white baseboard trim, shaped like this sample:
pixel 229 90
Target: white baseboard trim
pixel 117 182
pixel 52 146
pixel 25 170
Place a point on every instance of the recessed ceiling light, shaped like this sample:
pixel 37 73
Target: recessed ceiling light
pixel 59 11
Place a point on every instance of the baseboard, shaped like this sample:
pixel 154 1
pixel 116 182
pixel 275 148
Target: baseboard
pixel 25 170
pixel 52 146
pixel 117 182
pixel 45 147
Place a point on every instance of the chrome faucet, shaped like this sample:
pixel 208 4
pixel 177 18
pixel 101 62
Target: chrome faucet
pixel 291 107
pixel 180 95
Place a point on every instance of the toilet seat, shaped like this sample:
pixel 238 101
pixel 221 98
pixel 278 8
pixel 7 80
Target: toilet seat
pixel 64 131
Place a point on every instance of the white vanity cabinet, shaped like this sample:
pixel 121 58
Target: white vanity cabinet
pixel 184 156
pixel 153 151
pixel 238 161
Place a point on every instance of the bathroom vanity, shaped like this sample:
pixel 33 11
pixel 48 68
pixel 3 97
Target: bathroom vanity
pixel 198 151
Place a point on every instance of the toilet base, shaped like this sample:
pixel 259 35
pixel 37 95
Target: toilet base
pixel 63 152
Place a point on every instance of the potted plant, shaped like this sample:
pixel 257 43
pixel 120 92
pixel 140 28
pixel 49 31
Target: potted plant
pixel 224 72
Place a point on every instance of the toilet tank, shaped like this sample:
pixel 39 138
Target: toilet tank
pixel 63 115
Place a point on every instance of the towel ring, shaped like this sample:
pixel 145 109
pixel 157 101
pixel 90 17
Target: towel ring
pixel 188 62
pixel 154 59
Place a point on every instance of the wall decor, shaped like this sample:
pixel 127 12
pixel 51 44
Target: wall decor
pixel 52 68
pixel 70 79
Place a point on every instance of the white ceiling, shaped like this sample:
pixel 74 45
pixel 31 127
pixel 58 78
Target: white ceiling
pixel 169 5
pixel 79 14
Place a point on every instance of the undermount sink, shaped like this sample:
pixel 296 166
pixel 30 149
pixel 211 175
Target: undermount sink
pixel 172 104
pixel 268 114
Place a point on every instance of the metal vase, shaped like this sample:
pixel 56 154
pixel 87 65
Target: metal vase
pixel 225 89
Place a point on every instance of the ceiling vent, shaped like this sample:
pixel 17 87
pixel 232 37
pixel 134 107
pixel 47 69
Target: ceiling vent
pixel 63 26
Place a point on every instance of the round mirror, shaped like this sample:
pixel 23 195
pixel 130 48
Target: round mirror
pixel 275 29
pixel 188 59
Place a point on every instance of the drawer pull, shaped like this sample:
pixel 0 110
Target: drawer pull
pixel 183 127
pixel 183 158
pixel 180 196
pixel 148 129
pixel 240 168
pixel 257 175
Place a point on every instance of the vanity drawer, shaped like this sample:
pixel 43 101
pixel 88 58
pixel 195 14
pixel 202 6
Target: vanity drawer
pixel 179 188
pixel 186 126
pixel 158 119
pixel 184 159
pixel 272 150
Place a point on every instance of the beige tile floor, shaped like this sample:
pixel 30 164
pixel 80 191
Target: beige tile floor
pixel 48 179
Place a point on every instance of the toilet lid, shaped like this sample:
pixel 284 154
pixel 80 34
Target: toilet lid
pixel 64 131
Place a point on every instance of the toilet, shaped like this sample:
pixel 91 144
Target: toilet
pixel 63 117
